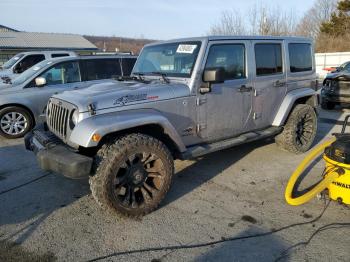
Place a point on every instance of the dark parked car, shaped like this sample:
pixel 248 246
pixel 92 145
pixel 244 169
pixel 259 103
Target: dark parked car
pixel 336 90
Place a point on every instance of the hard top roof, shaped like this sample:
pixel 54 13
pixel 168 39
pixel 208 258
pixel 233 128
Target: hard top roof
pixel 222 38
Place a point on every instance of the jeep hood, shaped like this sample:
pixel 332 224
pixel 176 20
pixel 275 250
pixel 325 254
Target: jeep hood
pixel 121 94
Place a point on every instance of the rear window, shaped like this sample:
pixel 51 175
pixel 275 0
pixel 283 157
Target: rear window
pixel 268 58
pixel 300 57
pixel 59 55
pixel 96 69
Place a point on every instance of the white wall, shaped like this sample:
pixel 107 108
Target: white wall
pixel 326 60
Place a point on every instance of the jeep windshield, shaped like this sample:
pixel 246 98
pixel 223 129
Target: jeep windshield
pixel 12 61
pixel 30 72
pixel 170 59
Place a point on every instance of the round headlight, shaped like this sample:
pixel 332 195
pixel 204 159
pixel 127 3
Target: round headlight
pixel 74 118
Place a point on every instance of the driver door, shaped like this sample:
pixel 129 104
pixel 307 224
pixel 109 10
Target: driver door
pixel 225 110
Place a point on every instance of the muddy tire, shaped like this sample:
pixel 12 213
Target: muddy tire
pixel 133 175
pixel 327 105
pixel 299 131
pixel 15 122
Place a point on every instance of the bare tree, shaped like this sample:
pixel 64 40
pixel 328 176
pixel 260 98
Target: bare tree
pixel 231 23
pixel 320 12
pixel 260 20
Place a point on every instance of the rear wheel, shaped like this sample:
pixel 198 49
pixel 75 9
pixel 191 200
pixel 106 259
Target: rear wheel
pixel 133 175
pixel 300 130
pixel 15 122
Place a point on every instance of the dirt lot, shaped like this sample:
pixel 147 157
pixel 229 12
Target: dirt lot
pixel 233 193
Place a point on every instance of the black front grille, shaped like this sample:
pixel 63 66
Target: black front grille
pixel 57 118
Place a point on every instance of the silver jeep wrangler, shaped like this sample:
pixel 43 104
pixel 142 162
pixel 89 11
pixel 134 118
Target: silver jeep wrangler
pixel 185 98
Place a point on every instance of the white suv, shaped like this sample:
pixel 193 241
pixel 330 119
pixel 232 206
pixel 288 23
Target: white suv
pixel 22 61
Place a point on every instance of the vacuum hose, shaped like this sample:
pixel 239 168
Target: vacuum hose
pixel 331 174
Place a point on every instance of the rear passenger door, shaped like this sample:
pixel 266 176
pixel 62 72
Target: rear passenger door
pixel 270 81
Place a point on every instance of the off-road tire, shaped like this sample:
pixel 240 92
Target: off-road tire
pixel 327 105
pixel 17 110
pixel 110 160
pixel 290 139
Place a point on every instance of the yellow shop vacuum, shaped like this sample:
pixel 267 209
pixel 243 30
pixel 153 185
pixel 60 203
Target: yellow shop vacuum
pixel 336 175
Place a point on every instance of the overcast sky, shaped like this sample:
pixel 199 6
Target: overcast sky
pixel 156 19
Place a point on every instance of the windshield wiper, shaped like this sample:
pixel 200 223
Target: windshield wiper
pixel 139 75
pixel 163 75
pixel 138 78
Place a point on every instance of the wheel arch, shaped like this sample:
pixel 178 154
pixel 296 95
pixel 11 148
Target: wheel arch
pixel 293 98
pixel 154 130
pixel 149 122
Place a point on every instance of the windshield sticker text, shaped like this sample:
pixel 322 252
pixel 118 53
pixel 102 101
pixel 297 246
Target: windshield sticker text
pixel 187 49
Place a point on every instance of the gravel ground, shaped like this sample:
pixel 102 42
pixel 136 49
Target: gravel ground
pixel 232 193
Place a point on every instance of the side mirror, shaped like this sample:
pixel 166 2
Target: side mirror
pixel 40 81
pixel 214 75
pixel 16 70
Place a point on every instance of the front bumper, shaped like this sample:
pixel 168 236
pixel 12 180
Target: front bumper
pixel 53 155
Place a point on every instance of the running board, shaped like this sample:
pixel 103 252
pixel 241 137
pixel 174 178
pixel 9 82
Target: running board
pixel 203 149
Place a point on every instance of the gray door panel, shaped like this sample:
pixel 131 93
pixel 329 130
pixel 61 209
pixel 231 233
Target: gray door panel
pixel 227 110
pixel 270 87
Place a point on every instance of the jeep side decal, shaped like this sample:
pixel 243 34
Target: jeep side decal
pixel 129 98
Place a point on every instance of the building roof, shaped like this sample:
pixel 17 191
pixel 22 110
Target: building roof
pixel 6 29
pixel 28 40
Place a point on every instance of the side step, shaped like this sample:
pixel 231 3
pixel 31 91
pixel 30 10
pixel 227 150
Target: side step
pixel 203 149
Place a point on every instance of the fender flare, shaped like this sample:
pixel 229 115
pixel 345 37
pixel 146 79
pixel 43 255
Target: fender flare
pixel 288 102
pixel 105 124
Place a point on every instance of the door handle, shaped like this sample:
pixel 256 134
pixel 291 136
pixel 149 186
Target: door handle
pixel 279 83
pixel 245 88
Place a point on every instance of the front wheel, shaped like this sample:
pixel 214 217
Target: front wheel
pixel 133 175
pixel 15 122
pixel 300 130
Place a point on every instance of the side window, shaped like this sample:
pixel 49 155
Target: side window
pixel 268 59
pixel 231 57
pixel 28 62
pixel 300 57
pixel 63 73
pixel 127 65
pixel 96 69
pixel 59 55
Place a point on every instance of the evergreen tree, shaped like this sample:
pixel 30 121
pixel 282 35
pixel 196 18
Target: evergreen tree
pixel 339 24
